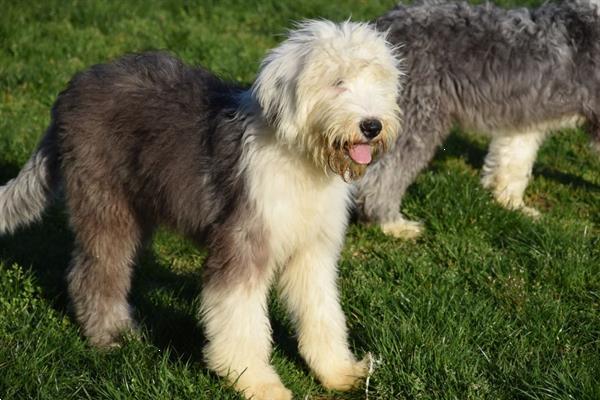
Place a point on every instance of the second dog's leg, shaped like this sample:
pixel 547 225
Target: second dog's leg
pixel 380 191
pixel 507 168
pixel 234 313
pixel 308 285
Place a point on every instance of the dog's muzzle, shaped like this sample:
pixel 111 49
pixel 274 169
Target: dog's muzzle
pixel 350 160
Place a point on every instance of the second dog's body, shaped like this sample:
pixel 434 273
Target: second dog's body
pixel 513 74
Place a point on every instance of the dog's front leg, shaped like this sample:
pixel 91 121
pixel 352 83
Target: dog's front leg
pixel 308 286
pixel 234 313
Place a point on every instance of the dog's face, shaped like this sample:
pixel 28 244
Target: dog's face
pixel 331 91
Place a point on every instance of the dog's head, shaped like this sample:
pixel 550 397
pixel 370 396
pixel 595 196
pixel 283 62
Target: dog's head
pixel 330 90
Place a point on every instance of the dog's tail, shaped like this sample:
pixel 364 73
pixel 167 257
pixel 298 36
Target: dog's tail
pixel 24 198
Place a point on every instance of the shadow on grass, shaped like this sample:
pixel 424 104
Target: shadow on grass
pixel 570 180
pixel 45 248
pixel 7 172
pixel 459 146
pixel 163 300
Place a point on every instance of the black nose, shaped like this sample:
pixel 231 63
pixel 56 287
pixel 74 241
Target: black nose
pixel 370 128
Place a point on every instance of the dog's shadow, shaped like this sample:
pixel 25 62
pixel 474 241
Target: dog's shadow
pixel 460 145
pixel 45 249
pixel 565 179
pixel 166 308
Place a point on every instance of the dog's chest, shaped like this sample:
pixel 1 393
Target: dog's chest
pixel 296 204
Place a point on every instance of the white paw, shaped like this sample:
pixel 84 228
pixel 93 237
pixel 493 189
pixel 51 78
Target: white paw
pixel 114 339
pixel 403 229
pixel 530 212
pixel 516 203
pixel 268 391
pixel 346 377
pixel 488 181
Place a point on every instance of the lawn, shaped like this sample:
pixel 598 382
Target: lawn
pixel 488 304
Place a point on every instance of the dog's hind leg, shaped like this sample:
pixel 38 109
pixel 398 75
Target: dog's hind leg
pixel 235 319
pixel 308 286
pixel 507 168
pixel 107 237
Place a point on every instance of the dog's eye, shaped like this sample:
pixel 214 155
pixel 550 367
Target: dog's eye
pixel 338 83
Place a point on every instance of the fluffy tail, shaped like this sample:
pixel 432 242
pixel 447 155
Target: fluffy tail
pixel 24 198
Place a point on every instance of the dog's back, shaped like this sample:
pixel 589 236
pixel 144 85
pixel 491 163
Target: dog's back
pixel 501 62
pixel 123 123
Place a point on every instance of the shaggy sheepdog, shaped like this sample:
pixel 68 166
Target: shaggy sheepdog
pixel 513 74
pixel 260 176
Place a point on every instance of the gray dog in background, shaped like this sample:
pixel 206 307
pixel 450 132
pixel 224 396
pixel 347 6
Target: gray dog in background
pixel 514 74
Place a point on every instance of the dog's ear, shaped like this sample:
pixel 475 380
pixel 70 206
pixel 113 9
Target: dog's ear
pixel 276 87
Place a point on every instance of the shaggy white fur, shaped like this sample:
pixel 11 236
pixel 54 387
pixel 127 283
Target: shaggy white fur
pixel 311 95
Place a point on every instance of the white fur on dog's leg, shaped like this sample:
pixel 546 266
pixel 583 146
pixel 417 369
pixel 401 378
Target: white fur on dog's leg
pixel 507 169
pixel 403 229
pixel 308 285
pixel 239 338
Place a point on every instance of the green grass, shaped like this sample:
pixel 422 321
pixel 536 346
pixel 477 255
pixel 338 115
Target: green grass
pixel 487 305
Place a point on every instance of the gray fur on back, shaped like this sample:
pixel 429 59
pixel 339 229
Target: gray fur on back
pixel 168 133
pixel 483 68
pixel 113 127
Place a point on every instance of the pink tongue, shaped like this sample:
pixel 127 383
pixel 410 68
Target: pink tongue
pixel 361 153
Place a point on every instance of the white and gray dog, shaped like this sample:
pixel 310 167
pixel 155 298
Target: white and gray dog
pixel 514 74
pixel 258 175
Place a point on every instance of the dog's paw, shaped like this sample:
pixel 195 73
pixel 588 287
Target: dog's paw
pixel 530 212
pixel 516 203
pixel 115 339
pixel 347 377
pixel 268 391
pixel 403 229
pixel 105 342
